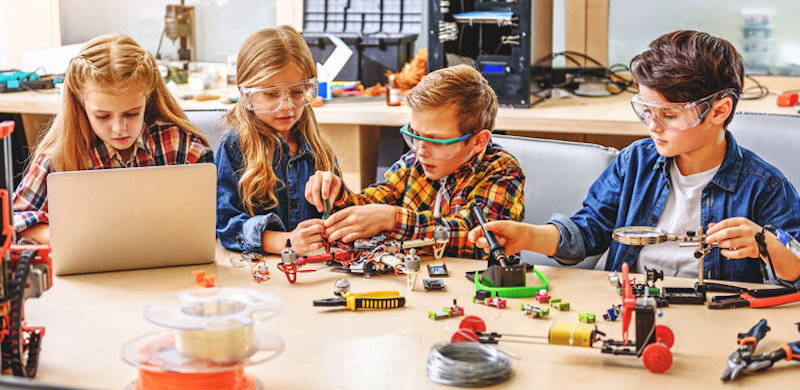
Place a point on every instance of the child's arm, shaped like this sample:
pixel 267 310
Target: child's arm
pixel 736 238
pixel 324 185
pixel 237 229
pixel 517 236
pixel 776 207
pixel 30 198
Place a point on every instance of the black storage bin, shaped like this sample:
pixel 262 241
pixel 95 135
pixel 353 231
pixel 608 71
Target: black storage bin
pixel 381 34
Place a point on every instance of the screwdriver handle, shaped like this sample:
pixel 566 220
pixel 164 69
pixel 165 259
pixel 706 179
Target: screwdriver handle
pixel 754 335
pixel 377 303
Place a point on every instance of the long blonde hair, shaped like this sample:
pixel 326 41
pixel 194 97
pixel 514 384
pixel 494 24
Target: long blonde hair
pixel 263 54
pixel 114 63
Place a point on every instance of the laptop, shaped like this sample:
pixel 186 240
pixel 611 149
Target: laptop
pixel 129 218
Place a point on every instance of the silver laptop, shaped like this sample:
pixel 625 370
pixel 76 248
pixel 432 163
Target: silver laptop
pixel 116 219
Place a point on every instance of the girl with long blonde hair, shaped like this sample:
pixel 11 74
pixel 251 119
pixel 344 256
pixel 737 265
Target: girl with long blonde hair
pixel 275 145
pixel 115 112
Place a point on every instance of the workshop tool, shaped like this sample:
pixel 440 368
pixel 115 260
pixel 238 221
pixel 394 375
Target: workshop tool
pixel 364 301
pixel 25 272
pixel 649 235
pixel 500 278
pixel 756 298
pixel 744 359
pixel 496 251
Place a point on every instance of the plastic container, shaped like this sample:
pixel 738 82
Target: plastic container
pixel 381 34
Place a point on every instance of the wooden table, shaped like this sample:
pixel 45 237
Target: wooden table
pixel 90 317
pixel 353 126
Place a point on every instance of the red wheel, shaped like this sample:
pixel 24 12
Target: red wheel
pixel 464 335
pixel 657 358
pixel 473 323
pixel 664 335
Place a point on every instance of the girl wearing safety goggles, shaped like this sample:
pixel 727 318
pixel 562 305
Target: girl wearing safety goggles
pixel 275 145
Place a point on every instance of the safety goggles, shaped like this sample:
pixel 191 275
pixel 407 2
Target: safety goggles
pixel 437 149
pixel 677 116
pixel 270 98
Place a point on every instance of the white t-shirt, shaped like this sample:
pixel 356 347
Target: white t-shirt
pixel 681 214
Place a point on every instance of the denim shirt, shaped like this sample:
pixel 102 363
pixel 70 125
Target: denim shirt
pixel 236 228
pixel 633 190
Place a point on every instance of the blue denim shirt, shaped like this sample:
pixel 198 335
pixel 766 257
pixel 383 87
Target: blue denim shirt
pixel 239 230
pixel 633 190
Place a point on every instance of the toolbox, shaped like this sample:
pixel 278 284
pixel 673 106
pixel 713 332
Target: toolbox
pixel 380 33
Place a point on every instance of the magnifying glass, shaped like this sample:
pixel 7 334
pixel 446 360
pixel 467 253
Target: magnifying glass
pixel 641 235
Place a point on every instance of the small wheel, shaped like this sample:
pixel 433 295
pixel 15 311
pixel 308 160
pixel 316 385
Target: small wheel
pixel 657 358
pixel 464 335
pixel 664 335
pixel 473 323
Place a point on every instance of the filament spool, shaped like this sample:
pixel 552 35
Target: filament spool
pixel 575 334
pixel 212 339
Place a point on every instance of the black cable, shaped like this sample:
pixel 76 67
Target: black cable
pixel 760 90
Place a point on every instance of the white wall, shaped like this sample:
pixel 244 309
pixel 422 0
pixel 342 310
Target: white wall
pixel 221 25
pixel 634 23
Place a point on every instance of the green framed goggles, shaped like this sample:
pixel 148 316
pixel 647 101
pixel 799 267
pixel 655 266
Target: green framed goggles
pixel 407 131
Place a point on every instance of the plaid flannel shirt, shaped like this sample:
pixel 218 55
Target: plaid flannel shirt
pixel 494 180
pixel 159 144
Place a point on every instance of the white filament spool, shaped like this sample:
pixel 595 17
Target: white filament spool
pixel 215 324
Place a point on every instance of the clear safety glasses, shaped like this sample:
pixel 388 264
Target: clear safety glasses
pixel 270 98
pixel 437 149
pixel 677 116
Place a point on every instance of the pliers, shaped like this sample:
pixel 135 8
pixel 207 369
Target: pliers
pixel 739 359
pixel 368 300
pixel 753 298
pixel 744 361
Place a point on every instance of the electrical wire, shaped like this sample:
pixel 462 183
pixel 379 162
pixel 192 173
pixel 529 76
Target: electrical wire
pixel 756 92
pixel 468 365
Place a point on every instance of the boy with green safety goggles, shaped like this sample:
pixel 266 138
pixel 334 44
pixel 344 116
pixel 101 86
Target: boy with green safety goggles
pixel 452 164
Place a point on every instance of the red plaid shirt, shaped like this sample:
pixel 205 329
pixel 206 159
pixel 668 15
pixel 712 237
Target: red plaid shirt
pixel 493 180
pixel 160 144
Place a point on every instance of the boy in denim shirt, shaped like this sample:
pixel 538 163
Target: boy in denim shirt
pixel 691 173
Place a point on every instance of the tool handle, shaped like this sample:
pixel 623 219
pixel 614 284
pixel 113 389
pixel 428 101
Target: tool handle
pixel 792 350
pixel 379 303
pixel 772 301
pixel 755 334
pixel 496 250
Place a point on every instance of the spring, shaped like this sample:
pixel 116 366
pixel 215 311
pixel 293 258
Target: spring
pixel 467 365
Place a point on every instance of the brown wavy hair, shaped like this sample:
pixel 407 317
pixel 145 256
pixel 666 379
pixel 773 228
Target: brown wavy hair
pixel 115 64
pixel 688 65
pixel 262 55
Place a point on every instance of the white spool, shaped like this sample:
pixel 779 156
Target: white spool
pixel 212 327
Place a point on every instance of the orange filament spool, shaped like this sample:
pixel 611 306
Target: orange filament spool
pixel 222 380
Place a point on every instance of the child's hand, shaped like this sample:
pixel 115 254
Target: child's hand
pixel 356 222
pixel 510 234
pixel 307 236
pixel 320 186
pixel 735 236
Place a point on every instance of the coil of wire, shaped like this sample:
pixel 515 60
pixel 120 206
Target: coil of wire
pixel 467 365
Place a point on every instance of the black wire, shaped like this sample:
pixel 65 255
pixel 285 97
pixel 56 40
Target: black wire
pixel 611 73
pixel 760 89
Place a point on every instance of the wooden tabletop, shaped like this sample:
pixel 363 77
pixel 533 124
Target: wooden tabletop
pixel 89 318
pixel 607 115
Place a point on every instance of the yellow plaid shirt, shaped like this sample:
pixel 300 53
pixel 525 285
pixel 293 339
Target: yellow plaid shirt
pixel 493 180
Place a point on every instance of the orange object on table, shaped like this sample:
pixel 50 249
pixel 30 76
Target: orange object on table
pixel 788 99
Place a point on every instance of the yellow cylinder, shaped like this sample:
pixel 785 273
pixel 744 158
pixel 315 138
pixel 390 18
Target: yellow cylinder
pixel 576 334
pixel 220 346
